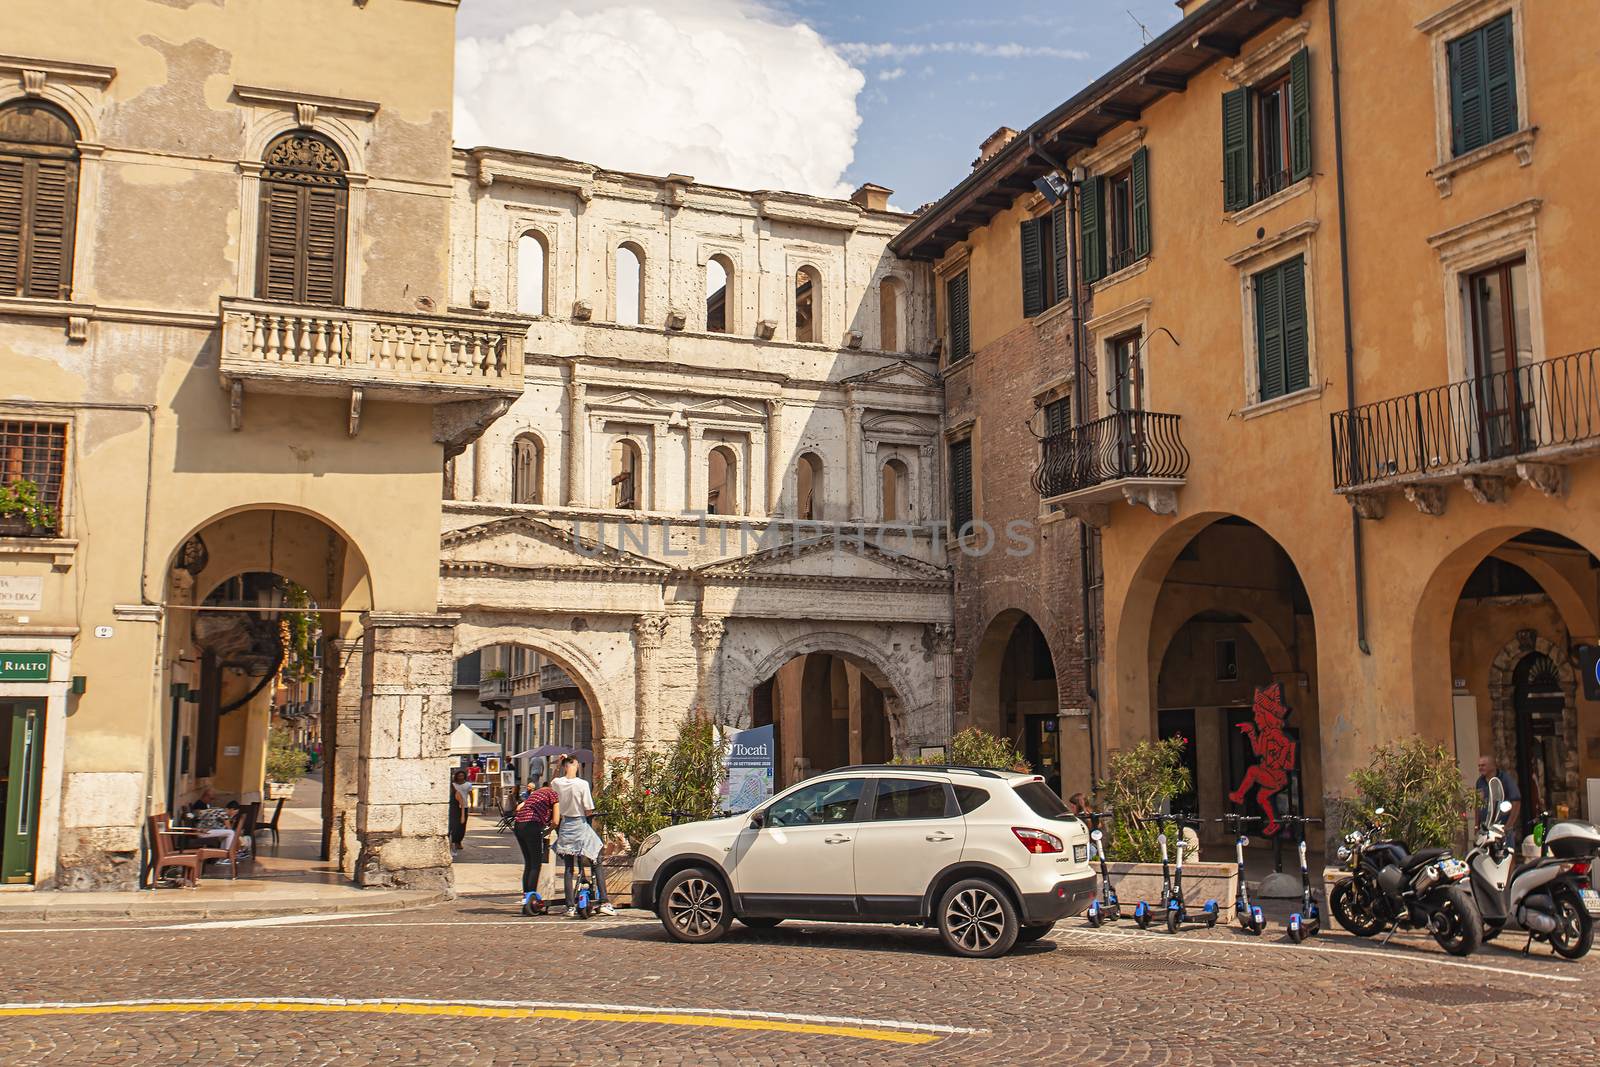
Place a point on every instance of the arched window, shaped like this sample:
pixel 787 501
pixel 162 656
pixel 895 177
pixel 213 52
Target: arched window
pixel 894 491
pixel 719 279
pixel 889 291
pixel 38 200
pixel 630 284
pixel 807 303
pixel 625 468
pixel 304 201
pixel 532 257
pixel 722 482
pixel 808 487
pixel 527 471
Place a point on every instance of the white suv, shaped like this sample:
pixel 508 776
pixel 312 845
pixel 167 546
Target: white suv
pixel 989 857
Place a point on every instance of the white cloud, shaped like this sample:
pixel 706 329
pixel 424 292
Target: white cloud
pixel 725 90
pixel 861 51
pixel 891 74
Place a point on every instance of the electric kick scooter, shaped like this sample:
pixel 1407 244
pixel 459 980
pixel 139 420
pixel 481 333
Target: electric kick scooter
pixel 1172 888
pixel 1142 910
pixel 1251 920
pixel 1307 922
pixel 1105 909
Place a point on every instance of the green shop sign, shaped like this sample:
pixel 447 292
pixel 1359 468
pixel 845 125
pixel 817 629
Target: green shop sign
pixel 24 666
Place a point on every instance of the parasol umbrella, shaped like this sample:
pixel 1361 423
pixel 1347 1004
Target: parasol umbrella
pixel 583 755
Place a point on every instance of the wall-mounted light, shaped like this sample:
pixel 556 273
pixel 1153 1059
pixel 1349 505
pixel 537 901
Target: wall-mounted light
pixel 1053 187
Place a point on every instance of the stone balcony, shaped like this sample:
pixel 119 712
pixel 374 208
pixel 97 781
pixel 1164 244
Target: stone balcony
pixel 296 350
pixel 1135 457
pixel 556 684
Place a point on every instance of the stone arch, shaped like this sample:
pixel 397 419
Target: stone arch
pixel 263 564
pixel 69 100
pixel 275 124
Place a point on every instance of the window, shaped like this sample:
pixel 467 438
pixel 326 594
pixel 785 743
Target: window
pixel 527 471
pixel 816 805
pixel 625 475
pixel 1044 261
pixel 722 490
pixel 970 798
pixel 1042 800
pixel 719 273
pixel 1483 86
pixel 1114 224
pixel 900 799
pixel 1227 660
pixel 889 292
pixel 1501 323
pixel 1058 416
pixel 1282 353
pixel 960 484
pixel 957 324
pixel 630 285
pixel 808 487
pixel 1266 135
pixel 304 200
pixel 807 303
pixel 895 477
pixel 1127 379
pixel 33 461
pixel 532 257
pixel 38 200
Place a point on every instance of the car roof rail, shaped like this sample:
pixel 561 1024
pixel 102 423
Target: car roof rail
pixel 982 772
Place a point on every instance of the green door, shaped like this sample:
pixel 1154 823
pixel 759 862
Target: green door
pixel 21 755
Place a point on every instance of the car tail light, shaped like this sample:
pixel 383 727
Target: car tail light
pixel 1037 841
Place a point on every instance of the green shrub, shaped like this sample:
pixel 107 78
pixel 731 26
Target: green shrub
pixel 973 747
pixel 1139 781
pixel 285 762
pixel 643 788
pixel 1419 787
pixel 20 498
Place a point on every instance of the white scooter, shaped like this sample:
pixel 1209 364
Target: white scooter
pixel 1546 897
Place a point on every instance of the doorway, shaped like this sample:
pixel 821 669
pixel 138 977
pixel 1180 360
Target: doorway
pixel 1538 701
pixel 21 762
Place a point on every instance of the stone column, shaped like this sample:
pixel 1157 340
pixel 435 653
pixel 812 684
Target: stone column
pixel 658 483
pixel 341 751
pixel 923 508
pixel 648 633
pixel 696 481
pixel 577 444
pixel 402 813
pixel 871 483
pixel 942 640
pixel 482 473
pixel 852 460
pixel 755 501
pixel 853 677
pixel 709 630
pixel 775 464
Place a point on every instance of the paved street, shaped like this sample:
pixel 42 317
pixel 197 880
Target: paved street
pixel 472 982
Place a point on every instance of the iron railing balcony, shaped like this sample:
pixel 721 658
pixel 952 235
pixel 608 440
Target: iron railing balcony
pixel 1137 456
pixel 1527 423
pixel 556 684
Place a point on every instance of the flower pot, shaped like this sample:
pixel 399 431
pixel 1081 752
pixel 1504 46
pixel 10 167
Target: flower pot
pixel 619 880
pixel 280 790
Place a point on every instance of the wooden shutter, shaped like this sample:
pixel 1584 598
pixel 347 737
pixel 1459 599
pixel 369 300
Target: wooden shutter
pixel 1091 234
pixel 1059 265
pixel 1236 149
pixel 1300 116
pixel 960 483
pixel 11 230
pixel 957 318
pixel 1296 352
pixel 1057 416
pixel 1469 123
pixel 1032 269
pixel 1269 333
pixel 1141 203
pixel 324 246
pixel 38 201
pixel 278 274
pixel 1500 79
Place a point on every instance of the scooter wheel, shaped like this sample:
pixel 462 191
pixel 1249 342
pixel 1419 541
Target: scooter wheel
pixel 1174 920
pixel 1211 920
pixel 1256 922
pixel 1141 915
pixel 1093 915
pixel 1113 914
pixel 1296 934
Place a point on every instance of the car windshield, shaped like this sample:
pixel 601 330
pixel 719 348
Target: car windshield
pixel 1043 800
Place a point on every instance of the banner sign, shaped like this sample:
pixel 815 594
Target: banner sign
pixel 24 666
pixel 748 757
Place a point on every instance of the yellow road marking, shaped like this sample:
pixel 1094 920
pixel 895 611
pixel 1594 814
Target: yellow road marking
pixel 473 1011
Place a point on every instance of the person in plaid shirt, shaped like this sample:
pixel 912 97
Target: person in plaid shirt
pixel 534 817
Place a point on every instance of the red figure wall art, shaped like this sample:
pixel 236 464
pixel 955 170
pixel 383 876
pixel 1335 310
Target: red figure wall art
pixel 1275 753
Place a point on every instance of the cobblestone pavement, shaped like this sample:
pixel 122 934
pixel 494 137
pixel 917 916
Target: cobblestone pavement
pixel 617 991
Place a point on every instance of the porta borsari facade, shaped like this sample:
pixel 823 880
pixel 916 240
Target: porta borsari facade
pixel 1338 390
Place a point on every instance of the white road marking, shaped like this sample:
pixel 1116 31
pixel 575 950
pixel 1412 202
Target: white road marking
pixel 271 920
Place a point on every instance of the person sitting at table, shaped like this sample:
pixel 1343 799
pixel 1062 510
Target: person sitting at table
pixel 211 822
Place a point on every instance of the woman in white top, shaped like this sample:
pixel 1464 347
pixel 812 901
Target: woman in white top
pixel 576 841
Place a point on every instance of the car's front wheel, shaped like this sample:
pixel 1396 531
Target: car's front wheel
pixel 694 906
pixel 977 919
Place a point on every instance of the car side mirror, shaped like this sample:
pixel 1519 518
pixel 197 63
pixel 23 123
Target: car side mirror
pixel 757 821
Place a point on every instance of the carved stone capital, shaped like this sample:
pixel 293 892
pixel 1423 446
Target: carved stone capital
pixel 941 638
pixel 709 630
pixel 458 425
pixel 1486 488
pixel 1429 499
pixel 650 630
pixel 1549 478
pixel 1367 505
pixel 33 82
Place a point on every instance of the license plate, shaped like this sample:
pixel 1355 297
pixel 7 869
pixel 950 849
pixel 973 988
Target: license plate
pixel 1453 870
pixel 1080 853
pixel 1591 900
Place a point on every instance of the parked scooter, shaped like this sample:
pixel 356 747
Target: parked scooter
pixel 1104 909
pixel 534 904
pixel 1249 915
pixel 1177 911
pixel 1391 887
pixel 1142 911
pixel 1307 922
pixel 1552 897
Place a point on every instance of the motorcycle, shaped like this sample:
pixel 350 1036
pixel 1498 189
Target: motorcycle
pixel 1392 887
pixel 1551 898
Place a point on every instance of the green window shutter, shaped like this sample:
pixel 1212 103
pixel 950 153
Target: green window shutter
pixel 1059 265
pixel 960 484
pixel 1500 78
pixel 1236 149
pixel 958 322
pixel 1032 269
pixel 1300 116
pixel 1057 416
pixel 1269 333
pixel 1141 203
pixel 1469 121
pixel 1296 350
pixel 1090 232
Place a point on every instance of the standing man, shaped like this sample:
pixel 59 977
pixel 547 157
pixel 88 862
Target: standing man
pixel 1487 769
pixel 576 841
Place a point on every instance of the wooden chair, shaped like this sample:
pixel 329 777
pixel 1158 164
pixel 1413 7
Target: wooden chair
pixel 247 824
pixel 273 824
pixel 168 855
pixel 231 853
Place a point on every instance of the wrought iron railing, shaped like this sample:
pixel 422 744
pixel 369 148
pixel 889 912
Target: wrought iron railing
pixel 1126 444
pixel 1538 407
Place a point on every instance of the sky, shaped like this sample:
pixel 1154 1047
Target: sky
pixel 815 96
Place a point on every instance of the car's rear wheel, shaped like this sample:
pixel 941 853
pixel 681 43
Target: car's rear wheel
pixel 977 919
pixel 1034 932
pixel 694 906
pixel 759 922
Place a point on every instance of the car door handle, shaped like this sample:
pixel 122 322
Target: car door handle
pixel 940 836
pixel 837 839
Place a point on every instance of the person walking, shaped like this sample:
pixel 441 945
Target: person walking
pixel 1488 768
pixel 576 841
pixel 460 798
pixel 539 810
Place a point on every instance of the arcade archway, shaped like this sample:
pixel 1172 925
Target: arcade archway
pixel 829 709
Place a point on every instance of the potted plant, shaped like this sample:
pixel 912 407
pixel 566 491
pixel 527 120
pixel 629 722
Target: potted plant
pixel 23 510
pixel 286 765
pixel 1419 786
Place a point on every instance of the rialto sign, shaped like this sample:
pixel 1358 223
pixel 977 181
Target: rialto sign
pixel 24 666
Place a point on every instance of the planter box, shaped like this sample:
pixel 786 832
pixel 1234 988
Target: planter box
pixel 619 881
pixel 1201 882
pixel 280 790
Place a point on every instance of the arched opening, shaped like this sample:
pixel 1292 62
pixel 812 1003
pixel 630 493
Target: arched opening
pixel 808 487
pixel 890 291
pixel 1013 693
pixel 807 304
pixel 719 285
pixel 826 712
pixel 304 203
pixel 625 468
pixel 895 504
pixel 722 482
pixel 39 188
pixel 527 470
pixel 630 284
pixel 533 257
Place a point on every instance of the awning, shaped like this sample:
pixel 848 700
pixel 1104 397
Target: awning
pixel 463 742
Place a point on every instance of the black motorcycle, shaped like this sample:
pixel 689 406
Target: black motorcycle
pixel 1390 888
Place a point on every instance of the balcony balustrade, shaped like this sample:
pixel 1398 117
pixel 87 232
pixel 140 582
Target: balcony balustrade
pixel 1136 456
pixel 556 684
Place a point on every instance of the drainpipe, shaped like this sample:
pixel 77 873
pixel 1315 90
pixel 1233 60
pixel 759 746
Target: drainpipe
pixel 1358 557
